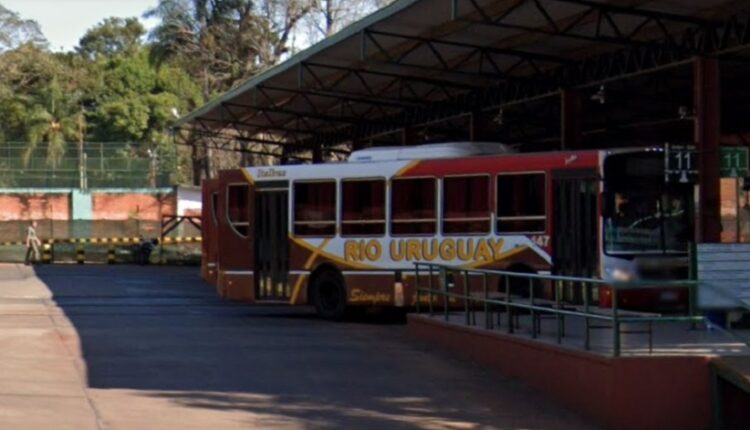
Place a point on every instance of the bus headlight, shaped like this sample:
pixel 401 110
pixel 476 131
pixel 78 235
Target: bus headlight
pixel 621 275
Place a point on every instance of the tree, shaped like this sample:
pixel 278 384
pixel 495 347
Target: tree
pixel 37 101
pixel 111 37
pixel 223 42
pixel 329 16
pixel 53 121
pixel 16 31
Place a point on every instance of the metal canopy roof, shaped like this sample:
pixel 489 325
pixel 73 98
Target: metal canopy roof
pixel 420 61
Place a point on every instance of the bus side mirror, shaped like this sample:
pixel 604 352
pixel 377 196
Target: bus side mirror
pixel 746 184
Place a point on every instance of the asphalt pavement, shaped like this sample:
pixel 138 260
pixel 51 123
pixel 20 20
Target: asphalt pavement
pixel 128 347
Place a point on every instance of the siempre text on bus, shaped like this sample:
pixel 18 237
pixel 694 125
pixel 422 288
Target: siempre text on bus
pixel 475 249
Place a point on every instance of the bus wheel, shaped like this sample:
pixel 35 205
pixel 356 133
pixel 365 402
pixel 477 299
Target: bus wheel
pixel 329 295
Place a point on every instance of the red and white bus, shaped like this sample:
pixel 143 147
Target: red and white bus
pixel 209 245
pixel 348 234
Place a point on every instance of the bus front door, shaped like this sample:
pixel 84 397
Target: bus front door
pixel 575 230
pixel 271 242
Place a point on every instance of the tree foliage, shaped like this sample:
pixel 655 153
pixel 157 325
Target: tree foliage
pixel 121 84
pixel 15 31
pixel 114 36
pixel 329 16
pixel 223 42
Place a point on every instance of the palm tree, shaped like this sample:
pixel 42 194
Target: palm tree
pixel 51 123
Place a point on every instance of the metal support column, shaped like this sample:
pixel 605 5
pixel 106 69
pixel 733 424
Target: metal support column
pixel 408 136
pixel 570 124
pixel 478 127
pixel 707 99
pixel 317 154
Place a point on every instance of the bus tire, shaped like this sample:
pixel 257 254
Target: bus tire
pixel 329 295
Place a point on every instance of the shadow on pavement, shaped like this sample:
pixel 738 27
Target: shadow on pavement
pixel 162 332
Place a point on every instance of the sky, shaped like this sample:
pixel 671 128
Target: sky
pixel 65 21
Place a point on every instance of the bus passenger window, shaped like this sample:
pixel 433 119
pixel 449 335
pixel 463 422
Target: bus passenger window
pixel 363 207
pixel 238 212
pixel 315 208
pixel 466 205
pixel 413 206
pixel 521 204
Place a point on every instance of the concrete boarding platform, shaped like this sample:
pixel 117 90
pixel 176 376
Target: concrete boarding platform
pixel 667 339
pixel 666 388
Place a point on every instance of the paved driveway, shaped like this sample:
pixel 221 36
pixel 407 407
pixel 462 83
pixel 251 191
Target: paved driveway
pixel 127 347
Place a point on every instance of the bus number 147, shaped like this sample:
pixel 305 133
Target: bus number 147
pixel 542 240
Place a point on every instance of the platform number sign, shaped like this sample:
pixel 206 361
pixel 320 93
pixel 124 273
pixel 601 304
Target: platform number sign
pixel 680 164
pixel 733 161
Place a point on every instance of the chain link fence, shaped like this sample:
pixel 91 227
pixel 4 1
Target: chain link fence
pixel 102 165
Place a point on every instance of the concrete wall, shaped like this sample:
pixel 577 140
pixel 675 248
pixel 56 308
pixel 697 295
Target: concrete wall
pixel 644 393
pixel 145 207
pixel 92 205
pixel 27 206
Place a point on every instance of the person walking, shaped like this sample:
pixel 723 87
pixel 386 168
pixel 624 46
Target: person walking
pixel 32 243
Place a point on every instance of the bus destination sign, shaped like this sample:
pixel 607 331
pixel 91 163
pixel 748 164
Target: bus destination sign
pixel 680 164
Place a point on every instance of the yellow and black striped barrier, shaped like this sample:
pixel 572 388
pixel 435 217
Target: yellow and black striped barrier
pixel 46 253
pixel 48 246
pixel 80 254
pixel 180 240
pixel 110 240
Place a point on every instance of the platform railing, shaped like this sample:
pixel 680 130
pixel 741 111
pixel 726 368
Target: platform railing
pixel 495 291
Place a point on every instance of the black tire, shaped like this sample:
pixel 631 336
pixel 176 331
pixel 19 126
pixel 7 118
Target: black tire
pixel 329 295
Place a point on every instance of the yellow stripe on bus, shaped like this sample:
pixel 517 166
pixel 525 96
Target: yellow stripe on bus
pixel 308 264
pixel 339 260
pixel 248 176
pixel 297 289
pixel 310 261
pixel 404 170
pixel 503 256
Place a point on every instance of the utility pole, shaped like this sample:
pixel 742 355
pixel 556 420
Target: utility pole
pixel 152 155
pixel 81 155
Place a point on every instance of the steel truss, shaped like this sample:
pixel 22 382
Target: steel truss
pixel 247 143
pixel 608 26
pixel 639 58
pixel 367 102
pixel 483 56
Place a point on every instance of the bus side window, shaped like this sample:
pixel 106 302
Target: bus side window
pixel 237 209
pixel 466 204
pixel 363 207
pixel 315 208
pixel 521 203
pixel 413 206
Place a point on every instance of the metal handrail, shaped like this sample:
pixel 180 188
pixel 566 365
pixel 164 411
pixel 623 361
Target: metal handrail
pixel 559 309
pixel 619 284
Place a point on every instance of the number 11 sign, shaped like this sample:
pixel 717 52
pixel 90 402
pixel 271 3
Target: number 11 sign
pixel 680 163
pixel 733 161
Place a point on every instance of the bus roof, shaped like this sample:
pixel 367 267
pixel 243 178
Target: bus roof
pixel 426 166
pixel 429 151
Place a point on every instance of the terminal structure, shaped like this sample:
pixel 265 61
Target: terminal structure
pixel 623 144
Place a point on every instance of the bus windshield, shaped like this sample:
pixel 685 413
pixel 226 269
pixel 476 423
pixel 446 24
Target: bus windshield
pixel 643 215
